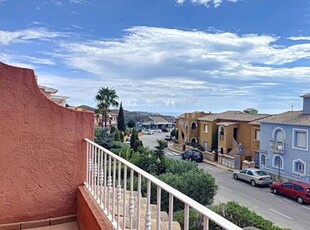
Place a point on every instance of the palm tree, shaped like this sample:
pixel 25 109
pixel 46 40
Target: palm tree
pixel 106 98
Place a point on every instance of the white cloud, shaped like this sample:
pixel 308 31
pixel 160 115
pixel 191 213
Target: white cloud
pixel 179 51
pixel 79 1
pixel 7 37
pixel 206 3
pixel 159 69
pixel 298 38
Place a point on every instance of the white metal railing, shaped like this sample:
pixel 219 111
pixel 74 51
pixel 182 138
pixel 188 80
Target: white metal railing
pixel 109 193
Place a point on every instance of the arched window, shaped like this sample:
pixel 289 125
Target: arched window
pixel 194 126
pixel 222 133
pixel 277 162
pixel 263 159
pixel 278 134
pixel 194 140
pixel 299 167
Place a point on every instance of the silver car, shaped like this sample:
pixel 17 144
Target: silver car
pixel 254 176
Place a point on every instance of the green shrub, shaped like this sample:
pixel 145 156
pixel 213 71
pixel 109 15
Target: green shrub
pixel 242 216
pixel 195 219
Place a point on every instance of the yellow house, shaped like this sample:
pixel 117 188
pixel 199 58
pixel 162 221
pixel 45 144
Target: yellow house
pixel 238 133
pixel 188 127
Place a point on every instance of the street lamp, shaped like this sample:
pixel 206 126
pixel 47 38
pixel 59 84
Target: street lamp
pixel 280 148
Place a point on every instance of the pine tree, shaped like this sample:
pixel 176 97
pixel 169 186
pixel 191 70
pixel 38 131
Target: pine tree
pixel 120 119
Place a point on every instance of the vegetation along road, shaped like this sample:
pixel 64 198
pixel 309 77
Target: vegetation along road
pixel 284 212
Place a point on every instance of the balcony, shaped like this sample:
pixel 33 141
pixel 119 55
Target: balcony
pixel 276 147
pixel 108 174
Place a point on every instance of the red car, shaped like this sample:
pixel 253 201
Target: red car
pixel 297 190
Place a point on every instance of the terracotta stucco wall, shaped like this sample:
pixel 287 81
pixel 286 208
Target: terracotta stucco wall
pixel 89 214
pixel 41 150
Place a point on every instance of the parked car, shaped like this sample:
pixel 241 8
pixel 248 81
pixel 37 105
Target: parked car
pixel 294 189
pixel 254 176
pixel 168 137
pixel 147 131
pixel 192 156
pixel 158 131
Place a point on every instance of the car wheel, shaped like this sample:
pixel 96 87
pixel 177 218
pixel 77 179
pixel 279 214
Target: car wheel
pixel 235 177
pixel 274 191
pixel 253 183
pixel 300 200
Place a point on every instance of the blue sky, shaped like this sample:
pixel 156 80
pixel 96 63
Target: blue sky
pixel 166 56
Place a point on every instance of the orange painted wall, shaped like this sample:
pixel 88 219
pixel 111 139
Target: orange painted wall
pixel 41 150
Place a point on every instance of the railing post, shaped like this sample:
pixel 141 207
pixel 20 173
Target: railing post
pixel 109 184
pixel 139 202
pixel 105 181
pixel 124 195
pixel 148 206
pixel 205 223
pixel 119 194
pixel 101 176
pixel 186 217
pixel 96 173
pixel 158 207
pixel 87 169
pixel 114 188
pixel 170 210
pixel 131 200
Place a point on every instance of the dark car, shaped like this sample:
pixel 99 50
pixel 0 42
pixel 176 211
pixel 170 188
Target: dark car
pixel 168 137
pixel 294 189
pixel 192 156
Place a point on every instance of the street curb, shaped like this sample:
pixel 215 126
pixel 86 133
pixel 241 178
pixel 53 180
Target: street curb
pixel 204 160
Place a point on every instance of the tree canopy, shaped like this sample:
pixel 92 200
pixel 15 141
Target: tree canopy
pixel 121 119
pixel 106 97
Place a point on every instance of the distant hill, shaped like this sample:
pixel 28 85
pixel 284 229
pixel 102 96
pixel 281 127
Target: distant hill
pixel 136 116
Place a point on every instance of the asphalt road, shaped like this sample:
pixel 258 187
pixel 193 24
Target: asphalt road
pixel 282 211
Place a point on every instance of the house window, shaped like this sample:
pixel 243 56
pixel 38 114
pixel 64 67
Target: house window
pixel 194 126
pixel 279 136
pixel 299 167
pixel 205 128
pixel 300 139
pixel 263 159
pixel 221 136
pixel 257 134
pixel 277 162
pixel 194 140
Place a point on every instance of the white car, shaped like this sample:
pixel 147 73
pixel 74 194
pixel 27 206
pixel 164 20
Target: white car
pixel 254 176
pixel 147 131
pixel 158 131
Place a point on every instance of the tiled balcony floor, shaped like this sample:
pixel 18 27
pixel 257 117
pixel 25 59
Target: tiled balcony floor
pixel 66 226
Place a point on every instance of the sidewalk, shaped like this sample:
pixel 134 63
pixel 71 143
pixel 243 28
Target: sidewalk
pixel 170 147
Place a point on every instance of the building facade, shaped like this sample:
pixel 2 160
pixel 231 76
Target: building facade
pixel 284 146
pixel 237 136
pixel 188 127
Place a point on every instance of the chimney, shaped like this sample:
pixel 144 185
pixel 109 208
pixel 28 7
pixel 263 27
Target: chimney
pixel 306 103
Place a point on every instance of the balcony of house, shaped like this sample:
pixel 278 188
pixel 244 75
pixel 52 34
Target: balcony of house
pixel 118 195
pixel 276 146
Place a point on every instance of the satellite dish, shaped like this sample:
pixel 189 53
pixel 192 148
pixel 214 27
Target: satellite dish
pixel 280 147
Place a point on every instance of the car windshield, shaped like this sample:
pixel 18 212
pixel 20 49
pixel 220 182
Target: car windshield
pixel 260 173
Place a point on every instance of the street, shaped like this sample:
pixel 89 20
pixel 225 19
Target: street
pixel 282 211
